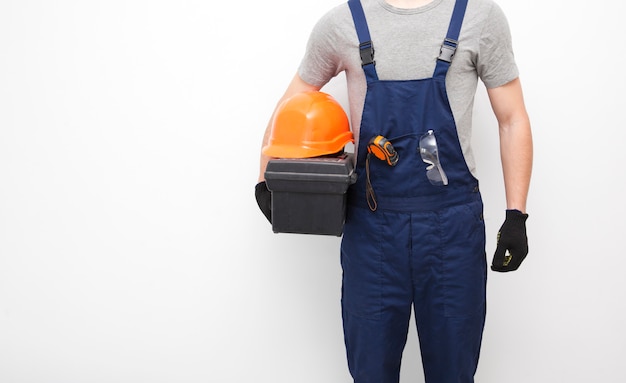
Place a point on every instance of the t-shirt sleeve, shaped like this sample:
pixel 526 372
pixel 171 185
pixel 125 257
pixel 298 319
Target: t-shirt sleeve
pixel 321 61
pixel 496 62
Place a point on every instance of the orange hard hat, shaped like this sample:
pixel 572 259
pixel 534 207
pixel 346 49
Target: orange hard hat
pixel 308 124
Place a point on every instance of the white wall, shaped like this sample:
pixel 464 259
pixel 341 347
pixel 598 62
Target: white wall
pixel 131 247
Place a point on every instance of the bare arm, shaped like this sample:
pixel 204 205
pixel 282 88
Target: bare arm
pixel 296 85
pixel 516 147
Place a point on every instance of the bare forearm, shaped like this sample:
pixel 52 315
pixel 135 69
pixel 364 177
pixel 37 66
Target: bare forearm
pixel 516 150
pixel 516 144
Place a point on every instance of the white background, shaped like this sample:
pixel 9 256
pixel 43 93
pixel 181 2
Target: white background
pixel 131 247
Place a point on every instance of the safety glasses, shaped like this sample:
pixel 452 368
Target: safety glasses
pixel 430 155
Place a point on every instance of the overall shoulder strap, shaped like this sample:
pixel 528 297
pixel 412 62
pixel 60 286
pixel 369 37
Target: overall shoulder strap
pixel 450 43
pixel 366 47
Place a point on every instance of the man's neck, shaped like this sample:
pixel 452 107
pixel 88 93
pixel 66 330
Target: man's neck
pixel 408 3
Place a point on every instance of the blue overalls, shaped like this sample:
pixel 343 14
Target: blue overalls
pixel 424 244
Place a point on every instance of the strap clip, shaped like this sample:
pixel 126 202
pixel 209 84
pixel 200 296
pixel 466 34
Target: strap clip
pixel 448 48
pixel 367 53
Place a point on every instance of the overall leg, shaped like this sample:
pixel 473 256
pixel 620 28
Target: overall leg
pixel 376 293
pixel 450 292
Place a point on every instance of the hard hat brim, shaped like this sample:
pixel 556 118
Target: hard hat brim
pixel 308 150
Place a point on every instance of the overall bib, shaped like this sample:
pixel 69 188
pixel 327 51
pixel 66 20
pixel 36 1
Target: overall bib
pixel 423 246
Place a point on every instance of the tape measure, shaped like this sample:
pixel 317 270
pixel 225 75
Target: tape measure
pixel 383 150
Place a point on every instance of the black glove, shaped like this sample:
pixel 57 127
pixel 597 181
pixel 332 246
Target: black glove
pixel 512 244
pixel 264 199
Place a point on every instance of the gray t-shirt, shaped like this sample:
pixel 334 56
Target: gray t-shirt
pixel 407 43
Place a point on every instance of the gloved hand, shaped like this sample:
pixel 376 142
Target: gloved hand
pixel 512 245
pixel 264 199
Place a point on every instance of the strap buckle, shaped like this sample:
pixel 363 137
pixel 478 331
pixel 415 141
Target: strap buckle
pixel 367 53
pixel 448 48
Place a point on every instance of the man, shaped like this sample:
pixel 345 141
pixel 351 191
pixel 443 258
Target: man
pixel 414 234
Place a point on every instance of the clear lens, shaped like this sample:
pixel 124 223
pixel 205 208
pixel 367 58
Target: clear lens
pixel 430 155
pixel 435 177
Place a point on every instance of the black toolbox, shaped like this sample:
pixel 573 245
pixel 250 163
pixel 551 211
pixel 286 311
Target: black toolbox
pixel 309 194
